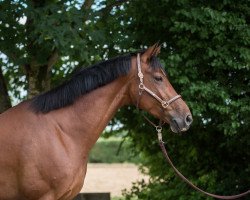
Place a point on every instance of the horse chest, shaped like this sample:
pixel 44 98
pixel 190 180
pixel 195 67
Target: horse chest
pixel 63 180
pixel 69 183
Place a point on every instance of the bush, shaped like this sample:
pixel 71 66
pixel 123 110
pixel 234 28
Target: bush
pixel 206 53
pixel 112 150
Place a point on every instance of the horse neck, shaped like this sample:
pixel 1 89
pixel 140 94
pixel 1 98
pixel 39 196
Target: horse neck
pixel 89 115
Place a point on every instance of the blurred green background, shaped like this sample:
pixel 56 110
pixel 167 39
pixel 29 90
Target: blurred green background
pixel 113 150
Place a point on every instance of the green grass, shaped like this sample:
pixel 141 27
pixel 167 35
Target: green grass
pixel 107 151
pixel 117 198
pixel 121 198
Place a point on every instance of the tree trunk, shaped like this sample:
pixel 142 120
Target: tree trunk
pixel 4 97
pixel 39 76
pixel 38 79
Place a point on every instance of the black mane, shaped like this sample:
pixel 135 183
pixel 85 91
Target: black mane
pixel 84 81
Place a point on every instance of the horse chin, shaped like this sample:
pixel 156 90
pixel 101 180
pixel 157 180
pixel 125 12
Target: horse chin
pixel 174 129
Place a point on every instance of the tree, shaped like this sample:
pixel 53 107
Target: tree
pixel 45 40
pixel 206 54
pixel 4 98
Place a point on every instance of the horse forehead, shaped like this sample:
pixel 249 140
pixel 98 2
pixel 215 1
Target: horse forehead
pixel 163 72
pixel 151 69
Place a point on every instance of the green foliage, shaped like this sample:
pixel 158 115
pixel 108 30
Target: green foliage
pixel 112 150
pixel 206 54
pixel 32 31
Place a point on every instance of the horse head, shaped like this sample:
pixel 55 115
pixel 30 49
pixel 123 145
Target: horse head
pixel 153 92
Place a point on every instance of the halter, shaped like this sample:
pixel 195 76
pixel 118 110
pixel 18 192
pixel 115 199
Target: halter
pixel 142 87
pixel 158 128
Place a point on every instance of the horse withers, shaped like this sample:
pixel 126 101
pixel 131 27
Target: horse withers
pixel 45 141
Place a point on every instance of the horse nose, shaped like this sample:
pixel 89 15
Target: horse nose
pixel 188 120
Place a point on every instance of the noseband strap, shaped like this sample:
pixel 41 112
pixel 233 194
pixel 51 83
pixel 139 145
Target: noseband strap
pixel 142 87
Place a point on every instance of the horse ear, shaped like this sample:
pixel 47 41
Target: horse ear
pixel 157 50
pixel 149 53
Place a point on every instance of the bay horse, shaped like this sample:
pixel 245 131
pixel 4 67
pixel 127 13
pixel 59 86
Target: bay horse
pixel 45 141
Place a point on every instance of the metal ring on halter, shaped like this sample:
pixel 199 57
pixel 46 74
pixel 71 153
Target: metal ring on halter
pixel 165 104
pixel 141 86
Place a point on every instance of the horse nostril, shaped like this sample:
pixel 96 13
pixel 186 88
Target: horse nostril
pixel 188 120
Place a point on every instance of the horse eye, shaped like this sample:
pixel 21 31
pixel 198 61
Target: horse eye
pixel 158 78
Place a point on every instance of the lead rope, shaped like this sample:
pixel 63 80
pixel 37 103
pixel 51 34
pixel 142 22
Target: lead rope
pixel 165 153
pixel 158 128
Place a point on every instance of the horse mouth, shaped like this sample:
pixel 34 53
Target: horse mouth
pixel 175 127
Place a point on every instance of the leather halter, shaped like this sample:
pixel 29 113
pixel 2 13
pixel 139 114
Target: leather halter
pixel 158 128
pixel 142 87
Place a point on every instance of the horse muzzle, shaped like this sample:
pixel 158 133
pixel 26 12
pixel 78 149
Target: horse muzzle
pixel 179 125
